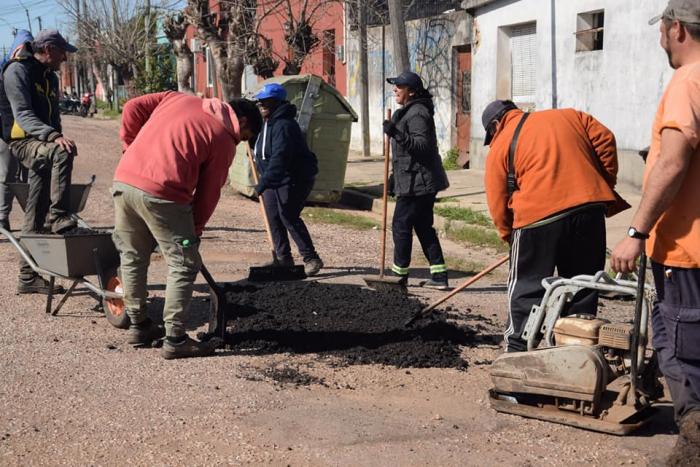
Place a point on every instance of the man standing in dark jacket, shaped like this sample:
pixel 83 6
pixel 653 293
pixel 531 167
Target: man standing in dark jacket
pixel 31 126
pixel 287 171
pixel 418 176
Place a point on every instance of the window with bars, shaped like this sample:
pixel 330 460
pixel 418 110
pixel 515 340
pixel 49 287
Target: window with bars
pixel 589 31
pixel 523 56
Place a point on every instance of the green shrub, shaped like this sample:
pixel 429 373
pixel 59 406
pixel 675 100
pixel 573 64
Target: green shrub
pixel 450 160
pixel 456 213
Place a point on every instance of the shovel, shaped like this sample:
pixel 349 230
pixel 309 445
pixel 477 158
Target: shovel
pixel 443 299
pixel 380 282
pixel 276 272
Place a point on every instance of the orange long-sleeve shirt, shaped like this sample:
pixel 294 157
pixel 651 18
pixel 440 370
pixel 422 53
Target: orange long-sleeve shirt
pixel 554 167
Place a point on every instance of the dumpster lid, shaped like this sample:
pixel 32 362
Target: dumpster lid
pixel 305 79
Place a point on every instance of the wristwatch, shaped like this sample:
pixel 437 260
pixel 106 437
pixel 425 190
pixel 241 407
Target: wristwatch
pixel 634 233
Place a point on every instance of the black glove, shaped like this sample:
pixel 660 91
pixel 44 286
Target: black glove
pixel 389 128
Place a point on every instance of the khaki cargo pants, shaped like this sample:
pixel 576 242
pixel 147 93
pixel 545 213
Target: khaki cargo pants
pixel 141 222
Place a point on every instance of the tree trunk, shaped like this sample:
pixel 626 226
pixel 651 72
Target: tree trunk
pixel 398 35
pixel 364 77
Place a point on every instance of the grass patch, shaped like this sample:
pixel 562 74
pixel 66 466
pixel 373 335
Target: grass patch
pixel 453 263
pixel 470 216
pixel 330 216
pixel 475 235
pixel 450 160
pixel 447 199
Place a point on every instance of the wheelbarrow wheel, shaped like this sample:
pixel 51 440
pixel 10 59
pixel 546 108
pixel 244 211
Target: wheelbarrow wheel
pixel 114 309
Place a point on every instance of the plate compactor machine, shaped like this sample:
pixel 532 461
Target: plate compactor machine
pixel 581 370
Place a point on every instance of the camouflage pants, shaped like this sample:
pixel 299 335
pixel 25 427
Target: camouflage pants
pixel 50 168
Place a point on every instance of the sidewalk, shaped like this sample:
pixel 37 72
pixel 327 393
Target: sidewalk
pixel 467 188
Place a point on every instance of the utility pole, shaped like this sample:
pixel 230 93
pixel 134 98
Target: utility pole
pixel 26 10
pixel 147 23
pixel 364 77
pixel 398 35
pixel 39 19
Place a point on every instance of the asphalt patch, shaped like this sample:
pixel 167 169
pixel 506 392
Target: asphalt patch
pixel 354 324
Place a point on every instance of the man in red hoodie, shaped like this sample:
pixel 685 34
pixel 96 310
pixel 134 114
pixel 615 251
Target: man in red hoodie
pixel 177 152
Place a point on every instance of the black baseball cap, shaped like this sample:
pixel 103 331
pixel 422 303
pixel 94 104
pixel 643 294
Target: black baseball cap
pixel 495 111
pixel 407 78
pixel 53 37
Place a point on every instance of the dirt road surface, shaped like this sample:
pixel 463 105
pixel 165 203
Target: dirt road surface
pixel 73 393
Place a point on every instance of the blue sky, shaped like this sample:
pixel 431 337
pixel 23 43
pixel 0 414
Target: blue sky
pixel 12 14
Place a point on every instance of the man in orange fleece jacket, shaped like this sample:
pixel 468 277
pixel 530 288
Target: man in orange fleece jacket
pixel 552 212
pixel 177 151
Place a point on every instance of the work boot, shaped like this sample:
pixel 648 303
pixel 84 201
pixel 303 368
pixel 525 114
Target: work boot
pixel 312 266
pixel 188 348
pixel 144 333
pixel 438 281
pixel 37 284
pixel 403 278
pixel 5 224
pixel 63 224
pixel 686 452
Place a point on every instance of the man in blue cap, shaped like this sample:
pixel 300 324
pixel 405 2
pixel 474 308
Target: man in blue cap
pixel 287 170
pixel 31 126
pixel 8 164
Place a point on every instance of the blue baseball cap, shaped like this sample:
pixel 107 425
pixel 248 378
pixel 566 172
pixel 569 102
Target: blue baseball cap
pixel 407 78
pixel 272 91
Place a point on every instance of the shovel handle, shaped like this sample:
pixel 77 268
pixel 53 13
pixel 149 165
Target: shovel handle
pixel 254 170
pixel 385 197
pixel 465 285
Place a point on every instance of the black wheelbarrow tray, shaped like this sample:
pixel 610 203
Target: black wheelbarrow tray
pixel 72 258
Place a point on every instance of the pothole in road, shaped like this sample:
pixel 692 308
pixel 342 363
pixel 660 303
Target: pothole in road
pixel 354 325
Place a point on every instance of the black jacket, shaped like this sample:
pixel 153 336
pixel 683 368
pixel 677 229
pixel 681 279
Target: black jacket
pixel 281 154
pixel 416 164
pixel 29 99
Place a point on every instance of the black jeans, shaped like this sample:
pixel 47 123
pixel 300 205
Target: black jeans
pixel 675 321
pixel 572 245
pixel 415 213
pixel 283 206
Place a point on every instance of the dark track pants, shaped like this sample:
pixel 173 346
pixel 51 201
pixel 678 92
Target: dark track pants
pixel 283 206
pixel 572 245
pixel 415 213
pixel 675 321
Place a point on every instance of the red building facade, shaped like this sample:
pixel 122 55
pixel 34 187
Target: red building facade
pixel 327 20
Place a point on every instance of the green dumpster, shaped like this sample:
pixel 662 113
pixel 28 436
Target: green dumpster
pixel 327 118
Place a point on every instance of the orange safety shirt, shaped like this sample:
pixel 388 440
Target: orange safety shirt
pixel 675 239
pixel 554 166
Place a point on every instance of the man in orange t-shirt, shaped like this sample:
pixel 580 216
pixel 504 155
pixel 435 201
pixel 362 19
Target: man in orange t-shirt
pixel 668 219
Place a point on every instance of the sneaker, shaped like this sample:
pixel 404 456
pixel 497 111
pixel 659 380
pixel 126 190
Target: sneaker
pixel 37 285
pixel 63 224
pixel 312 266
pixel 144 333
pixel 188 348
pixel 438 281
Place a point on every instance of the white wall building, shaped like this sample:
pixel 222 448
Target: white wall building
pixel 605 60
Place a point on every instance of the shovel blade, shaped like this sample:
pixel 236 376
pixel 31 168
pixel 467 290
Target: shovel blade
pixel 385 284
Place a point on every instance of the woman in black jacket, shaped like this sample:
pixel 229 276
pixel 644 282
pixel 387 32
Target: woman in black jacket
pixel 418 176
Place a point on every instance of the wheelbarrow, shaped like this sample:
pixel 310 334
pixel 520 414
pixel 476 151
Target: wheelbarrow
pixel 73 257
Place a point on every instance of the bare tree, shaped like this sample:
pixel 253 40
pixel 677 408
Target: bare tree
pixel 229 33
pixel 175 27
pixel 111 32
